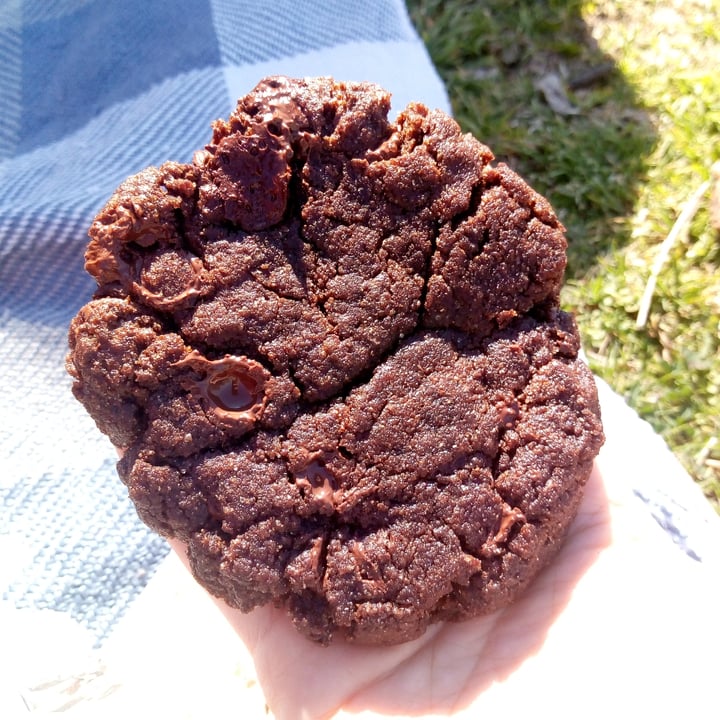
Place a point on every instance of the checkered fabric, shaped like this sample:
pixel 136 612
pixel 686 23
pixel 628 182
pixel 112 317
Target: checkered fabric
pixel 92 91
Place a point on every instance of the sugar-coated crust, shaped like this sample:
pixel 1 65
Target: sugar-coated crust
pixel 332 352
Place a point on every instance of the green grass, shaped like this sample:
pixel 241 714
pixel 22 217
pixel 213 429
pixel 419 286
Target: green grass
pixel 641 77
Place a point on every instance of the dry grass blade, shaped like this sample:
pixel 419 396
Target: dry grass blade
pixel 681 226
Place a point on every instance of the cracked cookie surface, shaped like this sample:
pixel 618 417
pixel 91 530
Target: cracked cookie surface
pixel 331 350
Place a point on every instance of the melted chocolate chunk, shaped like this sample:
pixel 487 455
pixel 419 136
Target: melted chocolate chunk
pixel 232 391
pixel 232 388
pixel 332 350
pixel 167 281
pixel 316 479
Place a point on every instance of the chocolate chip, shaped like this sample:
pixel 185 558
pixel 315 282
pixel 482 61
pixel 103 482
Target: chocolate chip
pixel 318 481
pixel 232 388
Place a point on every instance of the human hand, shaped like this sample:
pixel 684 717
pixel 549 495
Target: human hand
pixel 622 620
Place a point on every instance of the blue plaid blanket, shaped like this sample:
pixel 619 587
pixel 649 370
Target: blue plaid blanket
pixel 92 91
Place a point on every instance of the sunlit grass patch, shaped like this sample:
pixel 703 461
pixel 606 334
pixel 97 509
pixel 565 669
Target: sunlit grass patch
pixel 630 138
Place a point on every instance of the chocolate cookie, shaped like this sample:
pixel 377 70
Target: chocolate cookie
pixel 332 352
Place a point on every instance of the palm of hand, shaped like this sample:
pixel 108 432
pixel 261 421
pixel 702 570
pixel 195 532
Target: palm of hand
pixel 443 671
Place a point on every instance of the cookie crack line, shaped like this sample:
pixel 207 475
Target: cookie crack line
pixel 333 351
pixel 427 272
